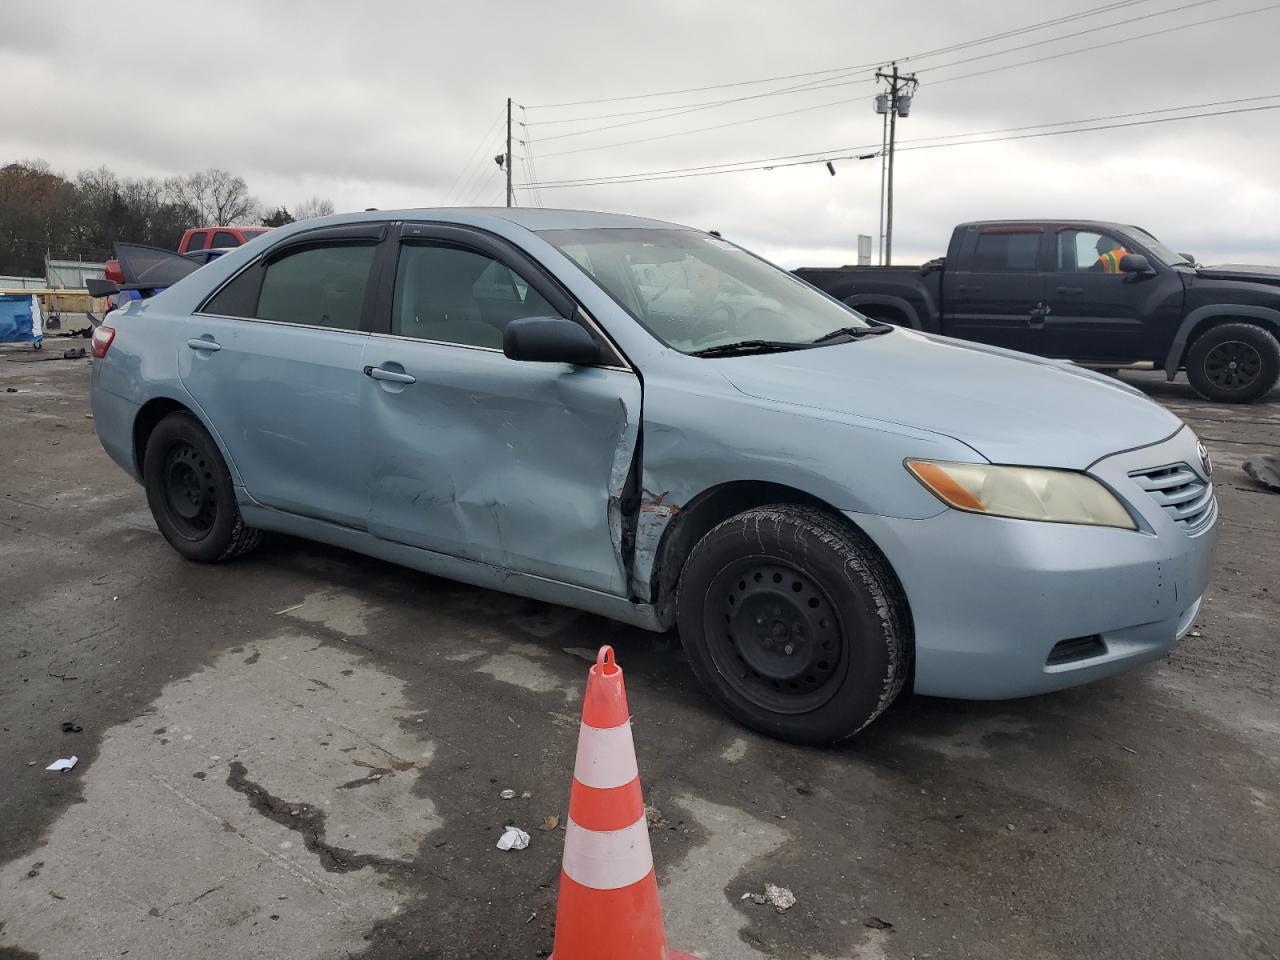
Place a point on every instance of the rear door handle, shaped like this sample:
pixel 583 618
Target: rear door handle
pixel 378 373
pixel 203 343
pixel 1069 291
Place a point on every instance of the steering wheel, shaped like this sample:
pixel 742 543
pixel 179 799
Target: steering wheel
pixel 704 326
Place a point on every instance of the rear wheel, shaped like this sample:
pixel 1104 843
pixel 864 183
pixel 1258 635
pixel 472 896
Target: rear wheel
pixel 1234 363
pixel 190 492
pixel 794 624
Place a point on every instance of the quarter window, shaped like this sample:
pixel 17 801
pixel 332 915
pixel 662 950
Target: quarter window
pixel 317 286
pixel 455 295
pixel 1006 251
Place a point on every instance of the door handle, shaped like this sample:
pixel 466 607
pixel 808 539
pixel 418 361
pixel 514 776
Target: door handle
pixel 201 343
pixel 1069 291
pixel 378 373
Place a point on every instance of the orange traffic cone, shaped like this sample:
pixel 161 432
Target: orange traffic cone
pixel 608 907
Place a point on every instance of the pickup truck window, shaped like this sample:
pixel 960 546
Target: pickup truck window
pixel 1006 251
pixel 197 241
pixel 1082 250
pixel 694 291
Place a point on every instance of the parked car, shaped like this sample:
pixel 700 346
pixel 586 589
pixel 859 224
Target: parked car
pixel 1045 287
pixel 204 256
pixel 830 509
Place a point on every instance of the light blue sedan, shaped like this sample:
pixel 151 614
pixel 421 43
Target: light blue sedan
pixel 648 422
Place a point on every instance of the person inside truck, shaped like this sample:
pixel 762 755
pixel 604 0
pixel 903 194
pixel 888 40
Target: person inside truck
pixel 1110 253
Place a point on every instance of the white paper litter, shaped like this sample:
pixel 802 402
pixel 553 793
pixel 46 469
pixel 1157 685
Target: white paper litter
pixel 513 838
pixel 508 794
pixel 780 898
pixel 65 764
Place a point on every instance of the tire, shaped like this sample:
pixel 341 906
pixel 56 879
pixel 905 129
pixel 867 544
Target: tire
pixel 1234 363
pixel 794 624
pixel 190 492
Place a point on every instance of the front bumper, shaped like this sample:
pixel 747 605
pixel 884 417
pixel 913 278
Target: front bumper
pixel 991 598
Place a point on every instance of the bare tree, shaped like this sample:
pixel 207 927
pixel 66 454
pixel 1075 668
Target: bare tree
pixel 314 207
pixel 218 197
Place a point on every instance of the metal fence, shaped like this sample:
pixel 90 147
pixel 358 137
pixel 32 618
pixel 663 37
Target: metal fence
pixel 71 274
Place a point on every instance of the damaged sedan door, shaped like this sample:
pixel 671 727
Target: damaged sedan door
pixel 469 453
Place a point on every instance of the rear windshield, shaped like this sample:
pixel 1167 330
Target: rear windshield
pixel 693 291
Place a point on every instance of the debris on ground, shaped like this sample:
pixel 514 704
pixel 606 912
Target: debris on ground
pixel 550 823
pixel 1264 470
pixel 64 764
pixel 875 923
pixel 780 898
pixel 508 794
pixel 75 353
pixel 513 838
pixel 70 726
pixel 655 818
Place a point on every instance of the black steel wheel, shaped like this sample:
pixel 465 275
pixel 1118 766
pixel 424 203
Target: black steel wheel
pixel 190 492
pixel 1234 363
pixel 794 623
pixel 775 635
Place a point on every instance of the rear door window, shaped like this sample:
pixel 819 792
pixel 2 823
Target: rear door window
pixel 225 238
pixel 998 252
pixel 197 241
pixel 317 286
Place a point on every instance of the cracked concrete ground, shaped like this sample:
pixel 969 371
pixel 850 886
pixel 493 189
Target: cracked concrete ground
pixel 302 755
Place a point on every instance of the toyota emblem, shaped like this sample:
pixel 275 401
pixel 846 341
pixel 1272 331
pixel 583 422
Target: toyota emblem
pixel 1205 462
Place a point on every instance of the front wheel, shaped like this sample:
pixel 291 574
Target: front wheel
pixel 794 624
pixel 190 492
pixel 1234 363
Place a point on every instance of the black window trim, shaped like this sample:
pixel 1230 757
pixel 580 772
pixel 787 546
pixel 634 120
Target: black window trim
pixel 495 247
pixel 373 232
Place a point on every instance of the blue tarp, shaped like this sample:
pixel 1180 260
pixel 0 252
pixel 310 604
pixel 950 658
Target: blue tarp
pixel 19 319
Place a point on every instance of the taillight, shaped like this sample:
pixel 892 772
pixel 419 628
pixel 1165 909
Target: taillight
pixel 101 341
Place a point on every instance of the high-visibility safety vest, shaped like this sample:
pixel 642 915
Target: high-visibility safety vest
pixel 1111 259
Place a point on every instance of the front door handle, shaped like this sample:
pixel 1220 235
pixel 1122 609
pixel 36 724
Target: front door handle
pixel 379 373
pixel 203 343
pixel 1069 291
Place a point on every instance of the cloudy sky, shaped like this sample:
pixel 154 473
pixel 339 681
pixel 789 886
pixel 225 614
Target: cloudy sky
pixel 387 104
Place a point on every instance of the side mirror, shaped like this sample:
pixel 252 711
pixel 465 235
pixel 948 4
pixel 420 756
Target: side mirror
pixel 101 288
pixel 549 340
pixel 1136 263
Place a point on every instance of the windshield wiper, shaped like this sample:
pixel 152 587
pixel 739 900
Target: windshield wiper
pixel 743 347
pixel 853 333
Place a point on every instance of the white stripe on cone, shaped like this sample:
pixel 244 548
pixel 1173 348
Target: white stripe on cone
pixel 607 859
pixel 606 757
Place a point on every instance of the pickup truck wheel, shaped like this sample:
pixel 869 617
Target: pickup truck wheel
pixel 190 492
pixel 794 624
pixel 1234 363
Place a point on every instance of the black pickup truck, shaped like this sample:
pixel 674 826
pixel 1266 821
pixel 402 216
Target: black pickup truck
pixel 1102 294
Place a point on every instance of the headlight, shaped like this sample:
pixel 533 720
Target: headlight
pixel 1023 493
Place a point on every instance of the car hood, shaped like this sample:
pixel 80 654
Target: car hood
pixel 1009 407
pixel 1241 271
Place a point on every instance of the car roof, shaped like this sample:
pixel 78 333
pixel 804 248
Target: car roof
pixel 531 218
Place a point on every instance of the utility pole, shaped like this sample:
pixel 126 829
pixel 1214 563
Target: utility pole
pixel 896 103
pixel 509 190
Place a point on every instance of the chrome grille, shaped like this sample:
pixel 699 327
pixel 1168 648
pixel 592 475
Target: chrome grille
pixel 1179 489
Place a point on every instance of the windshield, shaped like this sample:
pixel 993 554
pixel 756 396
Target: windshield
pixel 1157 249
pixel 694 291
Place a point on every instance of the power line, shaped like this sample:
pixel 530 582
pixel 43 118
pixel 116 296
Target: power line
pixel 472 156
pixel 1100 46
pixel 849 153
pixel 834 103
pixel 1044 24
